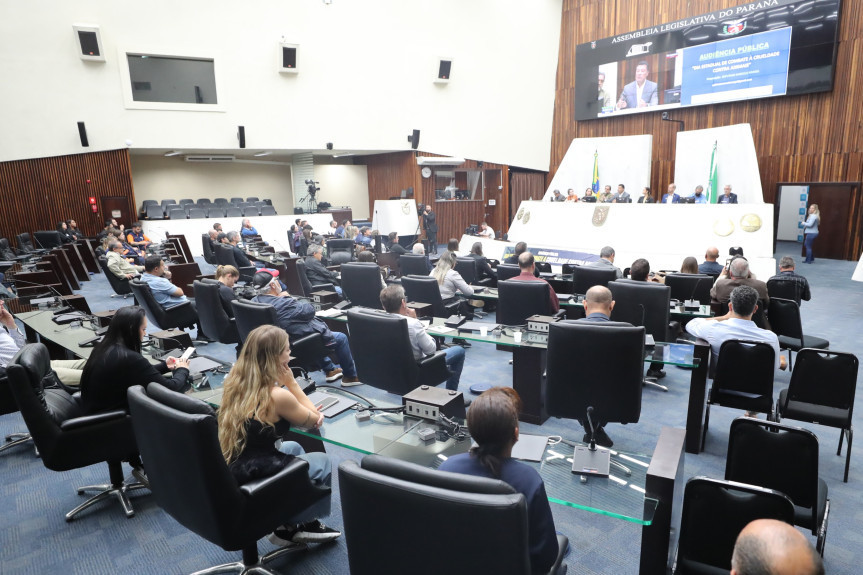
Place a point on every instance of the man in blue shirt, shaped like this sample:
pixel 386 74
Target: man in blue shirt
pixel 247 229
pixel 165 293
pixel 709 266
pixel 365 237
pixel 699 196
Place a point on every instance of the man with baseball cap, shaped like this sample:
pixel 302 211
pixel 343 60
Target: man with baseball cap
pixel 298 319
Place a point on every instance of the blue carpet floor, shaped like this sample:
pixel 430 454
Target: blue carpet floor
pixel 35 538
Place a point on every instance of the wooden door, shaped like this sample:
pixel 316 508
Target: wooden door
pixel 117 207
pixel 835 203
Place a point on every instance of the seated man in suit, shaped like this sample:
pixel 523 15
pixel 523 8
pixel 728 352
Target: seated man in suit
pixel 393 300
pixel 640 93
pixel 606 261
pixel 316 271
pixel 157 277
pixel 621 196
pixel 520 248
pixel 671 197
pixel 736 275
pixel 119 265
pixel 528 269
pixel 727 197
pixel 775 547
pixel 298 319
pixel 395 247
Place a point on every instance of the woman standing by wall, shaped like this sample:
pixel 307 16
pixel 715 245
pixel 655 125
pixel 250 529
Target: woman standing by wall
pixel 810 231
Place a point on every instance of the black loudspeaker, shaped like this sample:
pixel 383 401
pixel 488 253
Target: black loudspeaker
pixel 414 139
pixel 89 42
pixel 289 57
pixel 298 210
pixel 241 135
pixel 82 133
pixel 329 145
pixel 444 69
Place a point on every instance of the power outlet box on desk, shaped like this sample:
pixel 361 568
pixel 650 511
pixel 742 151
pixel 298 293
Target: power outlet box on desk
pixel 430 402
pixel 540 323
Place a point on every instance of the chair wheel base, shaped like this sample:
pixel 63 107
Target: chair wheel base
pixel 257 567
pixel 107 491
pixel 15 439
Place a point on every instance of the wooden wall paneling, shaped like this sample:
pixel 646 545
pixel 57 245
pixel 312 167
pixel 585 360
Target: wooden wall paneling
pixel 38 193
pixel 807 138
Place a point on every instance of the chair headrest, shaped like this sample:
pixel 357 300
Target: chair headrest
pixel 178 401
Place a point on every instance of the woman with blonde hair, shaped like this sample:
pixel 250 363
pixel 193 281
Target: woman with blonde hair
pixel 227 277
pixel 261 400
pixel 810 231
pixel 448 280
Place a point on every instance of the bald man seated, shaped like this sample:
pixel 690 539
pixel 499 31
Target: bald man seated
pixel 770 547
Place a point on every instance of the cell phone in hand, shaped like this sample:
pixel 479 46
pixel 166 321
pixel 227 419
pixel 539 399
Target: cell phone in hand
pixel 188 353
pixel 326 403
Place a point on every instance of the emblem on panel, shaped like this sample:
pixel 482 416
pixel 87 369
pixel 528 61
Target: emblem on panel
pixel 406 207
pixel 526 217
pixel 600 214
pixel 750 223
pixel 520 213
pixel 723 227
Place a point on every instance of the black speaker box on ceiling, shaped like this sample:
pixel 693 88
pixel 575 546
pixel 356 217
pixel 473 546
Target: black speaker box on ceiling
pixel 241 135
pixel 414 139
pixel 82 133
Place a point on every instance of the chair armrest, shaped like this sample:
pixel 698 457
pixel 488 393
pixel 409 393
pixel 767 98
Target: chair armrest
pixel 88 420
pixel 429 359
pixel 432 369
pixel 326 287
pixel 294 476
pixel 561 314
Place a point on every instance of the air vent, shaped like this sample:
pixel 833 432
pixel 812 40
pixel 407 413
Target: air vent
pixel 210 159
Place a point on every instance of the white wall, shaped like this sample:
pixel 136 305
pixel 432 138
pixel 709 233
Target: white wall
pixel 366 71
pixel 159 178
pixel 343 185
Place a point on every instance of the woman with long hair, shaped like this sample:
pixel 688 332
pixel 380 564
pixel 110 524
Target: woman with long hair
pixel 261 400
pixel 116 364
pixel 448 280
pixel 63 230
pixel 227 276
pixel 646 198
pixel 689 265
pixel 483 268
pixel 810 231
pixel 493 424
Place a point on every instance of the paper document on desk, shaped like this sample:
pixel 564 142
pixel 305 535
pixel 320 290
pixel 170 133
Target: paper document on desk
pixel 439 329
pixel 332 312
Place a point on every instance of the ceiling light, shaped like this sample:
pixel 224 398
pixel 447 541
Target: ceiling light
pixel 342 155
pixel 260 154
pixel 174 153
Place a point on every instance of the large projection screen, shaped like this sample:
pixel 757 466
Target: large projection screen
pixel 757 50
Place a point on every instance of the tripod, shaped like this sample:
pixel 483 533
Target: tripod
pixel 313 203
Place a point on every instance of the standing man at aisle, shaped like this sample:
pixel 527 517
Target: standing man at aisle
pixel 430 227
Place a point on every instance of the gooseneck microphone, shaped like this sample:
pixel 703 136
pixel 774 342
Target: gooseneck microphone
pixel 592 445
pixel 692 303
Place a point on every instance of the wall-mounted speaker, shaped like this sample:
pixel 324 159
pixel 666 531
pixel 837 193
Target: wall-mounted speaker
pixel 288 58
pixel 82 133
pixel 443 71
pixel 414 139
pixel 89 42
pixel 241 135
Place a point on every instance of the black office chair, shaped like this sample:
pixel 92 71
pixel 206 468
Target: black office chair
pixel 308 287
pixel 25 243
pixel 690 286
pixel 197 213
pixel 47 239
pixel 179 440
pixel 215 323
pixel 822 389
pixel 425 289
pixel 177 214
pixel 251 211
pixel 65 436
pixel 647 304
pixel 518 300
pixel 340 251
pixel 742 378
pixel 216 212
pixel 413 265
pixel 585 277
pixel 373 331
pixel 714 513
pixel 120 286
pixel 785 289
pixel 543 267
pixel 225 257
pixel 207 248
pixel 507 272
pixel 784 458
pixel 306 351
pixel 8 405
pixel 576 381
pixel 180 316
pixel 379 492
pixel 361 284
pixel 785 322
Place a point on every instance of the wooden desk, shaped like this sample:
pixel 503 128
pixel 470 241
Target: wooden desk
pixel 182 276
pixel 76 263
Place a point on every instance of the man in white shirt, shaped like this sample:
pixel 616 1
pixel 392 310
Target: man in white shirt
pixel 736 324
pixel 393 300
pixel 485 231
pixel 118 265
pixel 12 340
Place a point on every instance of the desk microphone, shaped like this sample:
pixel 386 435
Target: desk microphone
pixel 592 445
pixel 691 303
pixel 58 297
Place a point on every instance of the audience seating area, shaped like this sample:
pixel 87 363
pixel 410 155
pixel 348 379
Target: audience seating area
pixel 205 208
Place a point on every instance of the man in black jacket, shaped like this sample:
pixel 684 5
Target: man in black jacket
pixel 431 228
pixel 239 255
pixel 316 271
pixel 395 246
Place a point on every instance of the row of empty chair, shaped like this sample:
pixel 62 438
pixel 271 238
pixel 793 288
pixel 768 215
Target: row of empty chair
pixel 160 210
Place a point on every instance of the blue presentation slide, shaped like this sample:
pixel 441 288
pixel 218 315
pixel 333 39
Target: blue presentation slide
pixel 753 66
